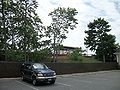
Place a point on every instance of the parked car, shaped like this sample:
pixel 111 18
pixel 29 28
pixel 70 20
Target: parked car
pixel 37 72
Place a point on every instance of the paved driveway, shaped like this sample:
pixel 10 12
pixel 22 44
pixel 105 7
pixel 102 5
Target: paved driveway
pixel 105 80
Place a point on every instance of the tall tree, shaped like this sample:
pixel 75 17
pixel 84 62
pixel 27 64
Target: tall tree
pixel 4 29
pixel 99 40
pixel 21 28
pixel 63 19
pixel 1 25
pixel 29 26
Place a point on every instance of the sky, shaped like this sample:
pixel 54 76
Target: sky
pixel 88 10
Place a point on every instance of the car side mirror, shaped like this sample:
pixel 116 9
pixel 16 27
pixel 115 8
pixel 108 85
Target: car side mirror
pixel 49 68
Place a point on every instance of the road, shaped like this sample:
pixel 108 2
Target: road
pixel 105 80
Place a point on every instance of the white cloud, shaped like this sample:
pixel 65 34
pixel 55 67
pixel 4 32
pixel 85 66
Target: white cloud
pixel 88 10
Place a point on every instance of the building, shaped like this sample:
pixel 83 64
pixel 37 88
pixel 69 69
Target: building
pixel 66 50
pixel 118 56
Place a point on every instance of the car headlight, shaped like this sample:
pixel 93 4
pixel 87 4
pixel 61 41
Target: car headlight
pixel 54 73
pixel 39 74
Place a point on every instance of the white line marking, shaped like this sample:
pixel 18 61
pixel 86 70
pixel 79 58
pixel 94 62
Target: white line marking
pixel 63 84
pixel 9 78
pixel 27 85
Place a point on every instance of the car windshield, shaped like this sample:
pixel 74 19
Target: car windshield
pixel 40 66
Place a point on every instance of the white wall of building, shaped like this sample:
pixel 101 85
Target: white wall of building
pixel 118 58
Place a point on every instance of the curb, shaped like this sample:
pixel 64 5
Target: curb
pixel 87 73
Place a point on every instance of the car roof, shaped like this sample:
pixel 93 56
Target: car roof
pixel 31 63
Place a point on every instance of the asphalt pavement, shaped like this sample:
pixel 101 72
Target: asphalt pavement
pixel 104 80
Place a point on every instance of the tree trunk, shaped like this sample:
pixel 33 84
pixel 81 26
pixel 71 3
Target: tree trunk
pixel 103 58
pixel 4 30
pixel 54 51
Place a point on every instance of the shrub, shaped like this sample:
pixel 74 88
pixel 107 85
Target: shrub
pixel 15 55
pixel 76 55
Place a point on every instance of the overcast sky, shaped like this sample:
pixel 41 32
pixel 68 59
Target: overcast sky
pixel 88 10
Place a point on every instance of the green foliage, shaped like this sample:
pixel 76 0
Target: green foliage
pixel 29 26
pixel 63 19
pixel 20 26
pixel 15 56
pixel 76 55
pixel 100 41
pixel 40 56
pixel 97 30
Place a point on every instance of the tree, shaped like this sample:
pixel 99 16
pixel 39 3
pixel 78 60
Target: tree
pixel 21 28
pixel 3 32
pixel 62 20
pixel 43 55
pixel 99 40
pixel 29 26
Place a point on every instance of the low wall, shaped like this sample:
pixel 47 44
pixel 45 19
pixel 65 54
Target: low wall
pixel 10 69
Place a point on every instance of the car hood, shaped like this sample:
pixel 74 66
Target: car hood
pixel 45 71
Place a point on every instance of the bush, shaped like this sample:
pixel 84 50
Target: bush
pixel 75 55
pixel 42 55
pixel 15 55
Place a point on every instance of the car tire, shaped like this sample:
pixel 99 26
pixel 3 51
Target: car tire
pixel 34 81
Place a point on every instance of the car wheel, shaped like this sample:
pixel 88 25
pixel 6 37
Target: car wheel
pixel 52 82
pixel 34 81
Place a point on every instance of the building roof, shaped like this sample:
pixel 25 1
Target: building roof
pixel 68 48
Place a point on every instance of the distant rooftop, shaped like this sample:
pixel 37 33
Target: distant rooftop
pixel 68 47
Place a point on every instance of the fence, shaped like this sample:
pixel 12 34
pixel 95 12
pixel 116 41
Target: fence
pixel 12 69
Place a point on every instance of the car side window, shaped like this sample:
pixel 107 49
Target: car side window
pixel 28 66
pixel 25 67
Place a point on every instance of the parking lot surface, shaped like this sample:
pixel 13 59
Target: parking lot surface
pixel 105 80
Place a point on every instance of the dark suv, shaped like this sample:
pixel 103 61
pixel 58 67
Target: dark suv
pixel 37 72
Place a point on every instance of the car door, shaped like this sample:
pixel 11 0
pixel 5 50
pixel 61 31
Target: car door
pixel 30 71
pixel 27 70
